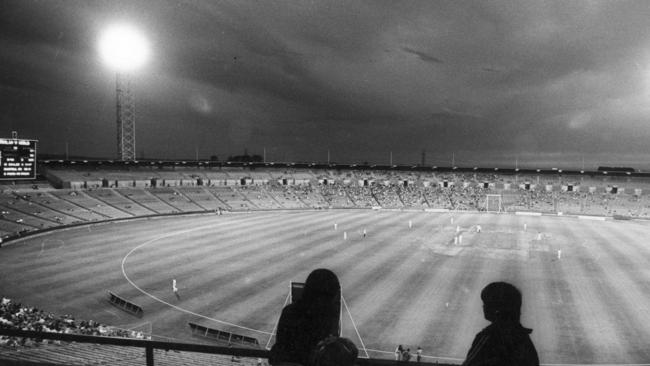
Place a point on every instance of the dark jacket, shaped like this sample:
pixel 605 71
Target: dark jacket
pixel 299 330
pixel 502 344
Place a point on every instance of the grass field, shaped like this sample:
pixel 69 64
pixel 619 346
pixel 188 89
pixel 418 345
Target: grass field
pixel 402 286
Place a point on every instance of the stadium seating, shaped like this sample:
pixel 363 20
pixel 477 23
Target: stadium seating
pixel 111 198
pixel 21 212
pixel 146 199
pixel 30 206
pixel 335 195
pixel 387 195
pixel 232 199
pixel 309 195
pixel 175 199
pixel 361 197
pixel 63 201
pixel 82 199
pixel 256 197
pixel 202 198
pixel 107 194
pixel 287 196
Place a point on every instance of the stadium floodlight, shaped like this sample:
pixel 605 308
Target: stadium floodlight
pixel 124 49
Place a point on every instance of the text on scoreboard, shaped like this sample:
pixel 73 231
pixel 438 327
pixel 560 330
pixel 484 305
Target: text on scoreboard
pixel 17 159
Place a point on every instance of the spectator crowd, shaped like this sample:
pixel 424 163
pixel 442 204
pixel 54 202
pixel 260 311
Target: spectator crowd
pixel 14 315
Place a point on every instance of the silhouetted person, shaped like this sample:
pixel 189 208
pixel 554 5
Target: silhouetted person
pixel 504 342
pixel 309 320
pixel 334 351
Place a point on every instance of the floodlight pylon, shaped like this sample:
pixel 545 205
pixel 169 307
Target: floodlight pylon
pixel 125 118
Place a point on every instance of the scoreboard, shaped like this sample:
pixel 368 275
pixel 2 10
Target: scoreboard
pixel 17 159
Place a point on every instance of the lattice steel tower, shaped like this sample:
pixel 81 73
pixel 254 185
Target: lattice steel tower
pixel 125 118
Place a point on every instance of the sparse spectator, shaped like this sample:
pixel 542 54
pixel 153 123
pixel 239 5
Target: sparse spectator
pixel 406 355
pixel 398 353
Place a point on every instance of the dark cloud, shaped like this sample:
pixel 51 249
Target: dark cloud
pixel 484 80
pixel 423 56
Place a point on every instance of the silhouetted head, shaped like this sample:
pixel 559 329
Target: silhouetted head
pixel 501 301
pixel 321 286
pixel 335 351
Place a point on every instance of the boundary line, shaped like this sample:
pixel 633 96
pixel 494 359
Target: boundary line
pixel 172 305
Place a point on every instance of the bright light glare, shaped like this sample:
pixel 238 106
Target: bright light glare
pixel 123 48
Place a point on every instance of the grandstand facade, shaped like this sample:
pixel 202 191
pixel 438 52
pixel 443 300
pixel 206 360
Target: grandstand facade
pixel 78 192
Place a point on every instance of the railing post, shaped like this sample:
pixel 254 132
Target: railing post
pixel 149 352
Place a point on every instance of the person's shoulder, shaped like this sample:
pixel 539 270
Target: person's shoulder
pixel 290 307
pixel 485 338
pixel 291 315
pixel 489 330
pixel 512 329
pixel 293 309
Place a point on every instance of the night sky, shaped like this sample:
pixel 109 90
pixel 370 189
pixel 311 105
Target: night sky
pixel 544 83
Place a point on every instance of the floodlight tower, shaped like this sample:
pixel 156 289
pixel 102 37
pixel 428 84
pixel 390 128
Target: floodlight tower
pixel 125 118
pixel 124 49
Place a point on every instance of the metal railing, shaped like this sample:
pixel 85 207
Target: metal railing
pixel 149 346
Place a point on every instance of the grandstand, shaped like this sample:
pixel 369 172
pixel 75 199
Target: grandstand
pixel 89 193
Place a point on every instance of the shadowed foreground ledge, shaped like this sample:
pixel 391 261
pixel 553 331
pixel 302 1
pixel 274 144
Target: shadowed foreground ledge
pixel 94 350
